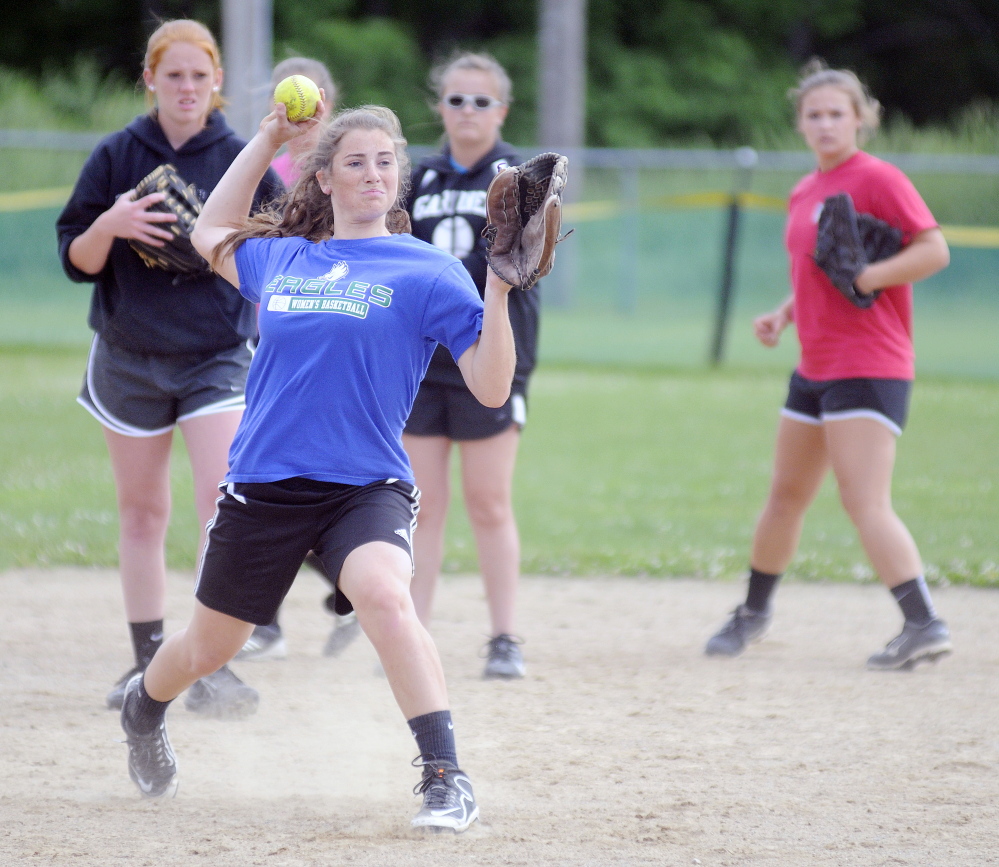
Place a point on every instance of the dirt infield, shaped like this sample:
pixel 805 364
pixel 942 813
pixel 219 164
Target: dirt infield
pixel 623 746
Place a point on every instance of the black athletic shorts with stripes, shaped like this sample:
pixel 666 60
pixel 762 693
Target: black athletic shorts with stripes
pixel 147 395
pixel 261 533
pixel 452 411
pixel 814 402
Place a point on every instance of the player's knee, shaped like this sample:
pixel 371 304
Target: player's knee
pixel 205 660
pixel 144 522
pixel 489 511
pixel 863 510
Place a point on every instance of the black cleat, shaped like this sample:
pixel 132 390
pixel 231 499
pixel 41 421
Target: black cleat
pixel 915 644
pixel 743 627
pixel 117 695
pixel 152 764
pixel 504 659
pixel 222 695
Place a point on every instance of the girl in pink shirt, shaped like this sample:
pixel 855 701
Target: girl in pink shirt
pixel 849 396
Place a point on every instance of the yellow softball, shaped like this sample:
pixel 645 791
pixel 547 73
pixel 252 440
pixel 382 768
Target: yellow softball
pixel 300 95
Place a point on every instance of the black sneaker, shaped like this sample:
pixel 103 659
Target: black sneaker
pixel 116 697
pixel 913 645
pixel 152 764
pixel 743 627
pixel 504 659
pixel 265 642
pixel 222 696
pixel 448 802
pixel 345 630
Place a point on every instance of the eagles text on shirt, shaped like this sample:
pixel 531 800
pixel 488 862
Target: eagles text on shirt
pixel 326 294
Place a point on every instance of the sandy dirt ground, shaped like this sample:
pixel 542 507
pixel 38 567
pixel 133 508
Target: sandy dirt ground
pixel 624 745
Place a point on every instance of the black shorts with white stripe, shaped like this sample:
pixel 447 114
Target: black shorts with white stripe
pixel 815 402
pixel 262 531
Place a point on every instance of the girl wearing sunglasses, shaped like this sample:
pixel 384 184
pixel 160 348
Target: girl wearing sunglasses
pixel 447 208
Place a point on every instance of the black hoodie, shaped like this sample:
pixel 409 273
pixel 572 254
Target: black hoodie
pixel 448 209
pixel 149 310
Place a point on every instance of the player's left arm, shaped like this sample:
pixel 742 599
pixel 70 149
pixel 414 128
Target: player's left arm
pixel 488 364
pixel 925 255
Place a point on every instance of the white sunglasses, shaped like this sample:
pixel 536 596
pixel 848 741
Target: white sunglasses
pixel 479 102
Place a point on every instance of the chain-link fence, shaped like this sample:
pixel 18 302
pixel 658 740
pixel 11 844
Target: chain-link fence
pixel 660 236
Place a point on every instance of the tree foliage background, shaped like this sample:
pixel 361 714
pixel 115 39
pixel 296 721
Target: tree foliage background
pixel 707 72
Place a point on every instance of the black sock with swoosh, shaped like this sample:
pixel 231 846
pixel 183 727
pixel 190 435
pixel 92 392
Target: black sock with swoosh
pixel 146 640
pixel 434 733
pixel 145 713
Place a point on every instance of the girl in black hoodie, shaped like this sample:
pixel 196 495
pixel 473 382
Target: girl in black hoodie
pixel 169 350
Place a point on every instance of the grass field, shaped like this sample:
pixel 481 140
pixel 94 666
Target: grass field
pixel 632 473
pixel 646 299
pixel 637 459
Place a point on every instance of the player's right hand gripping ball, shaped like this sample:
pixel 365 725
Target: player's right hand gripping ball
pixel 523 219
pixel 300 94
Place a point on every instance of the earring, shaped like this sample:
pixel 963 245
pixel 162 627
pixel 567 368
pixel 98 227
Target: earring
pixel 215 90
pixel 152 87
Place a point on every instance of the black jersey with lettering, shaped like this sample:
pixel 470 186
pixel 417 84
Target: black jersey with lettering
pixel 448 209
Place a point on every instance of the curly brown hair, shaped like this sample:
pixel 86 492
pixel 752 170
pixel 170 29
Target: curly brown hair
pixel 305 211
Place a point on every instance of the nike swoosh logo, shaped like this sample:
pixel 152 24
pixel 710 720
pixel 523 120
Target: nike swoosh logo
pixel 467 801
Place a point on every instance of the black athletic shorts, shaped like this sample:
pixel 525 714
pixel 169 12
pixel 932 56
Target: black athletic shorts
pixel 452 411
pixel 815 402
pixel 146 395
pixel 261 533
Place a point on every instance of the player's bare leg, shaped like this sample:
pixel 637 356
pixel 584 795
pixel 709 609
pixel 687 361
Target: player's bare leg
pixel 430 458
pixel 487 468
pixel 208 642
pixel 800 464
pixel 863 459
pixel 376 577
pixel 187 658
pixel 221 693
pixel 141 469
pixel 207 438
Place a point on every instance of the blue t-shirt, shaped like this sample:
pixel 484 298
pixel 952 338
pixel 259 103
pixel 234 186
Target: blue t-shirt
pixel 347 329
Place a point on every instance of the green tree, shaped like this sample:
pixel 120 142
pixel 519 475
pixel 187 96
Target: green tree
pixel 674 71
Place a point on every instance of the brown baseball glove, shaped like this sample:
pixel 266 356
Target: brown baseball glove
pixel 523 219
pixel 848 242
pixel 178 254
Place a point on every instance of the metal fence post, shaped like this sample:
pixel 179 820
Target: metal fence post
pixel 628 291
pixel 745 159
